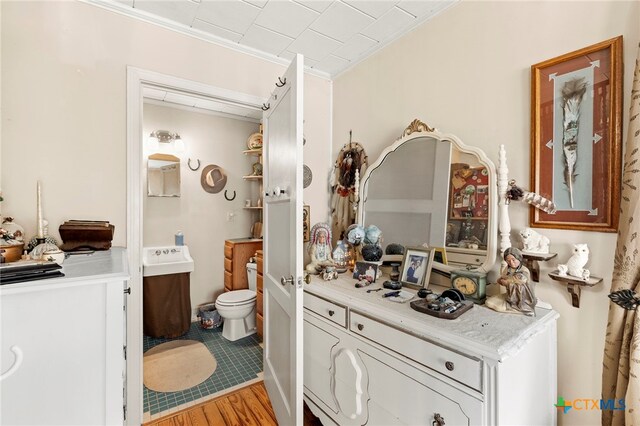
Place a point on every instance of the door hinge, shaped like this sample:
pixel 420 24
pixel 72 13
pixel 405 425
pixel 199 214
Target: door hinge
pixel 124 350
pixel 128 290
pixel 124 411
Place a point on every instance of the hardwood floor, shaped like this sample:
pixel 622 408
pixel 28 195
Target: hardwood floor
pixel 248 406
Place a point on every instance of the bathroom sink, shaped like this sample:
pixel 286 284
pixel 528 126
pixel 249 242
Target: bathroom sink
pixel 166 260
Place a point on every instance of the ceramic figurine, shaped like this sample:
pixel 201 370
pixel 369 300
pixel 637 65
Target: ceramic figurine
pixel 516 278
pixel 329 273
pixel 340 255
pixel 320 248
pixel 575 264
pixel 534 242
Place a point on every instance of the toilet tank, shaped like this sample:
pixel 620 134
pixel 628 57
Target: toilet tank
pixel 252 272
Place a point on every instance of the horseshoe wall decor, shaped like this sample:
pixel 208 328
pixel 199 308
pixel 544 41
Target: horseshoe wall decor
pixel 227 197
pixel 189 164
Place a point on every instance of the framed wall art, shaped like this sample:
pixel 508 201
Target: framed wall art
pixel 576 132
pixel 416 266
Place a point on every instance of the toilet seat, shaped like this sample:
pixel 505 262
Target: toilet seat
pixel 236 298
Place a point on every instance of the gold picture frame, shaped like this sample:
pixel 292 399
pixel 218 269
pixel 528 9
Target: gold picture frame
pixel 576 137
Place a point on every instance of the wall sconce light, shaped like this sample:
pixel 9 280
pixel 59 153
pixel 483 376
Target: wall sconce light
pixel 174 140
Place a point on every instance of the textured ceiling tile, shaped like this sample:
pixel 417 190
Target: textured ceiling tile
pixel 355 47
pixel 341 22
pixel 423 8
pixel 332 64
pixel 389 24
pixel 373 8
pixel 286 17
pixel 317 5
pixel 265 40
pixel 181 11
pixel 216 31
pixel 233 15
pixel 259 3
pixel 314 45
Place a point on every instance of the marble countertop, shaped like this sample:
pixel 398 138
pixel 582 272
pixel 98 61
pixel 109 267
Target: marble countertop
pixel 480 330
pixel 81 269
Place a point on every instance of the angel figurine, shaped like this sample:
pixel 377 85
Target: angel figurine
pixel 320 248
pixel 516 278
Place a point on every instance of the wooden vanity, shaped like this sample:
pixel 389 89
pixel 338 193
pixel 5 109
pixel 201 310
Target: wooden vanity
pixel 369 360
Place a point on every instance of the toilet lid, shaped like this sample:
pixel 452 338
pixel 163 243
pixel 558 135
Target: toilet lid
pixel 236 296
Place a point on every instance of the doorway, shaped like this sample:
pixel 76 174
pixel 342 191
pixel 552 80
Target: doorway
pixel 142 87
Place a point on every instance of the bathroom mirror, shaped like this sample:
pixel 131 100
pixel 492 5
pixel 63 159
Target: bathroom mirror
pixel 430 188
pixel 163 175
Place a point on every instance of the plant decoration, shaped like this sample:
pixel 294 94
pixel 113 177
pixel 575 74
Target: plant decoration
pixel 516 193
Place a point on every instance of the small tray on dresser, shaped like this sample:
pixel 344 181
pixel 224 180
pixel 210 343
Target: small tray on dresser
pixel 423 306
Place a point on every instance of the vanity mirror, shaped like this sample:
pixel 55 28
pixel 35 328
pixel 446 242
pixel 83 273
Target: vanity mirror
pixel 163 175
pixel 430 188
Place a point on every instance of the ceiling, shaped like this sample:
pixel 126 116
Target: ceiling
pixel 332 35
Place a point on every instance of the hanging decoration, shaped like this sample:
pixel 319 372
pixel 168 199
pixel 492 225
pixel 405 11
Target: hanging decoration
pixel 350 164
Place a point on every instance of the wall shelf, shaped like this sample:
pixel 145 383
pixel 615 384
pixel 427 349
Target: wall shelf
pixel 531 262
pixel 574 285
pixel 253 208
pixel 257 152
pixel 251 177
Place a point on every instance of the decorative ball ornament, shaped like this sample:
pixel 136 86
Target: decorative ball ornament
pixel 372 252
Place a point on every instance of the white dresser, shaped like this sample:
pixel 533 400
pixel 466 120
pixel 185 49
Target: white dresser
pixel 368 360
pixel 62 357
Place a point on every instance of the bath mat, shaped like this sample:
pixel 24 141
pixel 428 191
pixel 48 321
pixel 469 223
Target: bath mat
pixel 177 365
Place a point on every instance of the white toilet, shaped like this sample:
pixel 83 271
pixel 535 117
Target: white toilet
pixel 238 309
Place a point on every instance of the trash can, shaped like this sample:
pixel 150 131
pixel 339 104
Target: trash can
pixel 209 316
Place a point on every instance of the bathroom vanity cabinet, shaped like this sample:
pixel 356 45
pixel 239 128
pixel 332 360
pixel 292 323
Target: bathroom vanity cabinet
pixel 259 294
pixel 62 344
pixel 237 253
pixel 369 360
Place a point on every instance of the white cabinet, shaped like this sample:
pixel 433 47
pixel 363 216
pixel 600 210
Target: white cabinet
pixel 70 333
pixel 375 362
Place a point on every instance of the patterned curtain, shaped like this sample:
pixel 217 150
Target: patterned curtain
pixel 621 361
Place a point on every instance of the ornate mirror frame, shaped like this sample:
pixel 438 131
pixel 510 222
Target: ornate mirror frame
pixel 418 129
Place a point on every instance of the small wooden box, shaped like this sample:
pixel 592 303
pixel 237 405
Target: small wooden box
pixel 86 235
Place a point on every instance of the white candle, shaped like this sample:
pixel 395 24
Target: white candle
pixel 40 233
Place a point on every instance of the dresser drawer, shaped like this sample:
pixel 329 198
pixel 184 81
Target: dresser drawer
pixel 331 311
pixel 228 250
pixel 259 282
pixel 461 368
pixel 228 265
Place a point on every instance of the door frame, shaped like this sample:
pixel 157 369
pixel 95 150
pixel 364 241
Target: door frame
pixel 137 80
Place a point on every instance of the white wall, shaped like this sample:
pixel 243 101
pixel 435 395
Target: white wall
pixel 200 215
pixel 467 72
pixel 64 106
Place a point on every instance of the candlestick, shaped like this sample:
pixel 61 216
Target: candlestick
pixel 40 233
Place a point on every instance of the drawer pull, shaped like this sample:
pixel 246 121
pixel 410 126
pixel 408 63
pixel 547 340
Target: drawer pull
pixel 331 313
pixel 449 366
pixel 438 420
pixel 360 327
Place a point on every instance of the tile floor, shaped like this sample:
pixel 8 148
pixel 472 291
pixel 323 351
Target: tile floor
pixel 238 362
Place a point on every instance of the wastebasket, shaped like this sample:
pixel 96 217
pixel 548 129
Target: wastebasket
pixel 209 316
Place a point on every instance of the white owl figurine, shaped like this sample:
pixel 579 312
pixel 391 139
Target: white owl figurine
pixel 575 264
pixel 533 241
